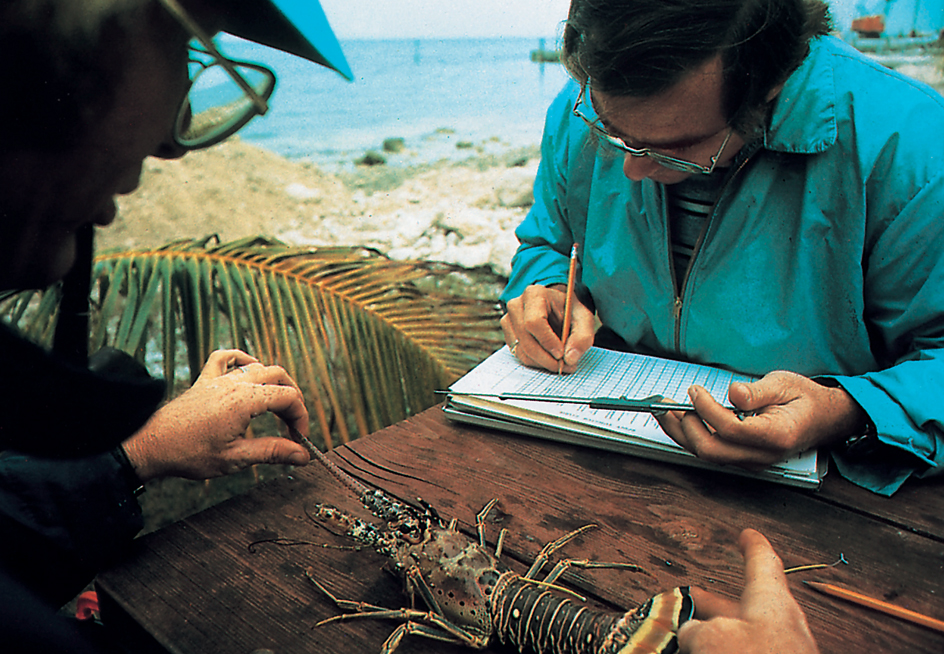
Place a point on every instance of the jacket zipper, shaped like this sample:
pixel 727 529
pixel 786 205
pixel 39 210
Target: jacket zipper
pixel 678 305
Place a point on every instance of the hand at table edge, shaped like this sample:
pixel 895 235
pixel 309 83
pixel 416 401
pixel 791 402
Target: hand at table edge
pixel 787 413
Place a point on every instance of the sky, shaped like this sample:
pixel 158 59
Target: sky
pixel 407 19
pixel 369 19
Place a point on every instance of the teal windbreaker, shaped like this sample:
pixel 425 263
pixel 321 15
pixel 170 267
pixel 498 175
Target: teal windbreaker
pixel 823 255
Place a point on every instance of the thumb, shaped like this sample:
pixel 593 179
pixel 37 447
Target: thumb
pixel 581 334
pixel 687 634
pixel 271 449
pixel 751 396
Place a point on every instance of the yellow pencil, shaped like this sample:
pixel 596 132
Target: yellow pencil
pixel 568 304
pixel 878 605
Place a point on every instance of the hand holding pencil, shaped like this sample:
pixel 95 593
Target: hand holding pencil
pixel 530 325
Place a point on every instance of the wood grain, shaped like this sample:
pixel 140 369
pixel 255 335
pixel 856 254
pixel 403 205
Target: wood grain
pixel 198 587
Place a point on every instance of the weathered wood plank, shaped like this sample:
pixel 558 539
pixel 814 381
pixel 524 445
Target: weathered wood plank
pixel 680 524
pixel 199 587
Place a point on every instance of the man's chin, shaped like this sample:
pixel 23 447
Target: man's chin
pixel 42 269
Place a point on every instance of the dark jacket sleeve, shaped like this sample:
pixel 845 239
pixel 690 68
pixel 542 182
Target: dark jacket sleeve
pixel 61 521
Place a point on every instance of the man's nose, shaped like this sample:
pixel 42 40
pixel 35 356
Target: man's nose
pixel 638 168
pixel 169 148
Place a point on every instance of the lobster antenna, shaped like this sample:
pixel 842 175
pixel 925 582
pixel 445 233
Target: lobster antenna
pixel 357 487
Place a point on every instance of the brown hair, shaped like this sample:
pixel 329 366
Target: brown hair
pixel 643 47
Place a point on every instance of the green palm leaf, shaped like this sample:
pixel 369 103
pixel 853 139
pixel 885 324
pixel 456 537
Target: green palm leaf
pixel 366 345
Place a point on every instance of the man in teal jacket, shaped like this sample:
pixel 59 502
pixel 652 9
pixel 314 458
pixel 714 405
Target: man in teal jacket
pixel 787 224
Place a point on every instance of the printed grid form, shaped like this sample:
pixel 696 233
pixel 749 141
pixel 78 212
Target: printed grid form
pixel 600 373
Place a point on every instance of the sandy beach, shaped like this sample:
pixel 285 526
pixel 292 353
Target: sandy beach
pixel 461 212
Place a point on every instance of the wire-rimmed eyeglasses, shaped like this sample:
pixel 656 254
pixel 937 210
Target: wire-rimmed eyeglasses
pixel 224 94
pixel 672 163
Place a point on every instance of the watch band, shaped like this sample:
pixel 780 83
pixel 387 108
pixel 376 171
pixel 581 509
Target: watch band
pixel 127 470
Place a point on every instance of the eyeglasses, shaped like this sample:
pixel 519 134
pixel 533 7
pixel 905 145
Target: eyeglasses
pixel 665 160
pixel 224 94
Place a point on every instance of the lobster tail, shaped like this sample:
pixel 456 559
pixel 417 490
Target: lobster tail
pixel 652 627
pixel 529 616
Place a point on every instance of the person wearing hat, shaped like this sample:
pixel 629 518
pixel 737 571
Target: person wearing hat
pixel 98 86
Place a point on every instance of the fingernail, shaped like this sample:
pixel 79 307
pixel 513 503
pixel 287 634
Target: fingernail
pixel 692 392
pixel 299 459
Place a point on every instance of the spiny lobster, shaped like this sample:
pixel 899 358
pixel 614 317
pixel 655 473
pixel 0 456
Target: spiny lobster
pixel 473 598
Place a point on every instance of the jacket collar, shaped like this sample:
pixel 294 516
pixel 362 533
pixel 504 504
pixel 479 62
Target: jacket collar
pixel 804 118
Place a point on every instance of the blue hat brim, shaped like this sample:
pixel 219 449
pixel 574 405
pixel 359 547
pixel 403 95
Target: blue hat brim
pixel 298 27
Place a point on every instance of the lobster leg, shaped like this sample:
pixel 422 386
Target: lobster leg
pixel 480 520
pixel 415 581
pixel 480 527
pixel 564 564
pixel 407 628
pixel 552 547
pixel 436 627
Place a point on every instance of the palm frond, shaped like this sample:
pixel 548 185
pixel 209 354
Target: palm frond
pixel 366 345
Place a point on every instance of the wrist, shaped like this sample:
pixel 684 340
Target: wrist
pixel 136 450
pixel 856 435
pixel 128 472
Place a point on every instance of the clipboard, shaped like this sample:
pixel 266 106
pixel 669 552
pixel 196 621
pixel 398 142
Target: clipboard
pixel 476 399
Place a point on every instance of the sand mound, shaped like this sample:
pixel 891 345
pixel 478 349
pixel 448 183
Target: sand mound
pixel 462 213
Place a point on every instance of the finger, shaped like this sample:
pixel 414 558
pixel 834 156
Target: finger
pixel 713 412
pixel 515 326
pixel 542 343
pixel 246 369
pixel 246 452
pixel 221 361
pixel 261 374
pixel 716 635
pixel 709 605
pixel 753 396
pixel 760 432
pixel 581 336
pixel 711 446
pixel 764 578
pixel 508 330
pixel 671 423
pixel 287 403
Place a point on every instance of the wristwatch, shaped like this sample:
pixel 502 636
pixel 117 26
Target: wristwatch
pixel 127 470
pixel 863 444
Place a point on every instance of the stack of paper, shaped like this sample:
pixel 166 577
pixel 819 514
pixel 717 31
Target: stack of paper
pixel 604 373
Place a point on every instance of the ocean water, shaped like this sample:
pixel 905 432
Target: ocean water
pixel 435 94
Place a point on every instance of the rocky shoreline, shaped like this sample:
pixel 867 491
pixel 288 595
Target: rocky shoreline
pixel 462 212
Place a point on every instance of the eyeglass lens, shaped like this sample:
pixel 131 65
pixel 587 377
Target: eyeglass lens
pixel 216 106
pixel 666 161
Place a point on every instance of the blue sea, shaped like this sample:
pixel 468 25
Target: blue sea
pixel 434 94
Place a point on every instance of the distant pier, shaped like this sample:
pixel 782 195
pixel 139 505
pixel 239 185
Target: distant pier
pixel 544 56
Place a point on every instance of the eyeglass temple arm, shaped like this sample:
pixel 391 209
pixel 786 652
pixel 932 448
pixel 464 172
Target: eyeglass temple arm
pixel 207 42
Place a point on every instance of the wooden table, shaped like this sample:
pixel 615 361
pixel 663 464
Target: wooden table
pixel 200 586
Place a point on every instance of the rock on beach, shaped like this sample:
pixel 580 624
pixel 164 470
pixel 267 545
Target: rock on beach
pixel 456 212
